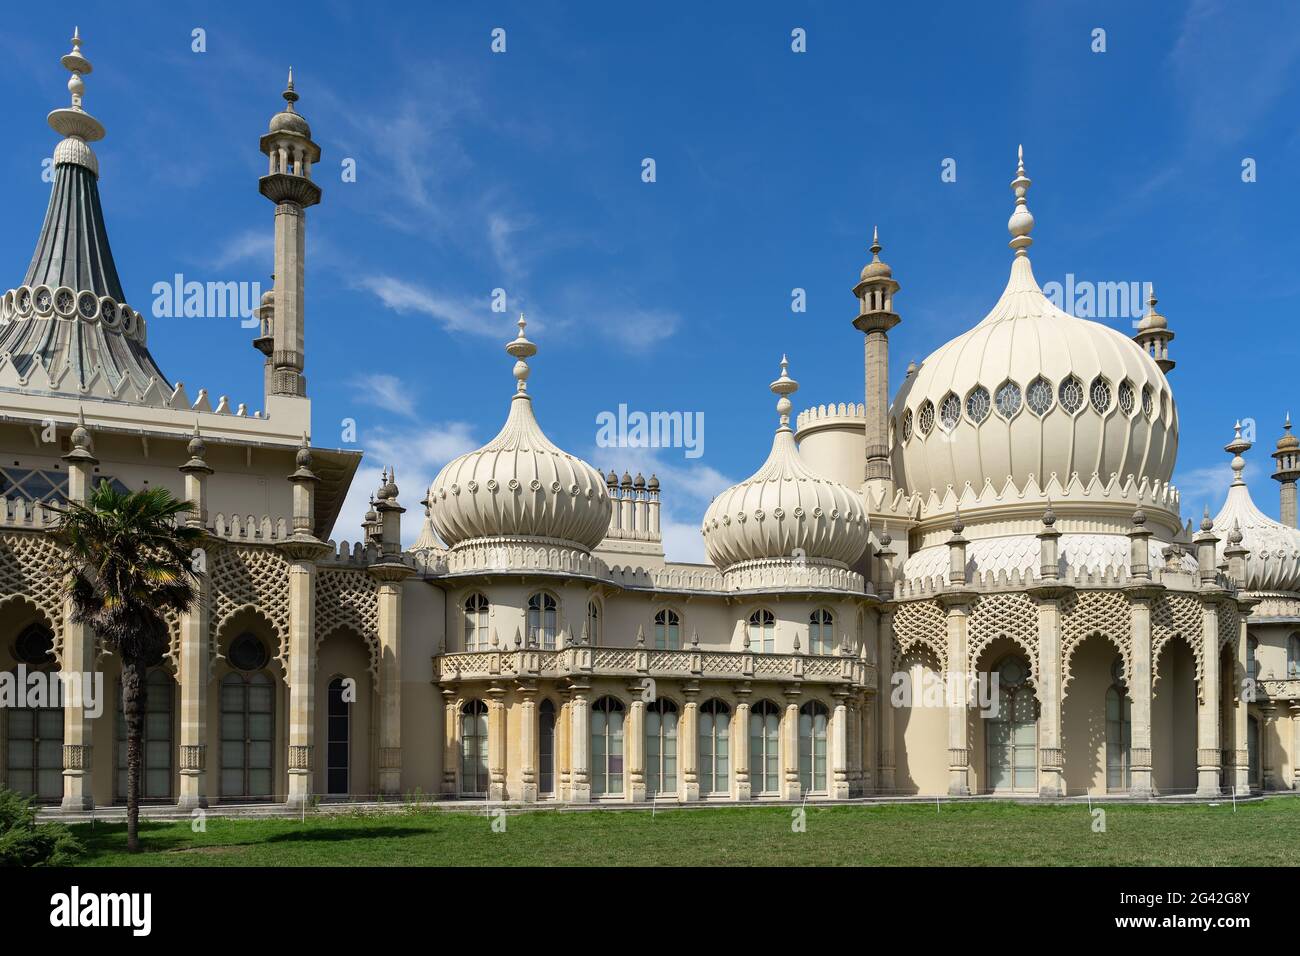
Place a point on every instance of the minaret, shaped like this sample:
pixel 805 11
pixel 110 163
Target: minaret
pixel 1153 334
pixel 876 316
pixel 288 184
pixel 1287 471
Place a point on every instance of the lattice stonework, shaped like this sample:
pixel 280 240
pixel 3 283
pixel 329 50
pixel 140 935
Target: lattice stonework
pixel 1012 616
pixel 29 569
pixel 921 624
pixel 254 578
pixel 349 600
pixel 1089 613
pixel 1172 616
pixel 1229 626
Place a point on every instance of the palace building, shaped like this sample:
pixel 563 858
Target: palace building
pixel 983 584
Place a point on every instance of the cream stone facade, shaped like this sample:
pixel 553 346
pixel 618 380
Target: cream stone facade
pixel 983 586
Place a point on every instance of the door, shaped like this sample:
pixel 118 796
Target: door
pixel 247 736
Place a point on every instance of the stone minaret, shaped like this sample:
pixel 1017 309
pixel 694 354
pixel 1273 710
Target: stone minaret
pixel 1287 471
pixel 876 316
pixel 1153 334
pixel 288 184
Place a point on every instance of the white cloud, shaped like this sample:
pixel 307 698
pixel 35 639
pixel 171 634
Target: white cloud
pixel 387 392
pixel 249 245
pixel 454 313
pixel 1201 486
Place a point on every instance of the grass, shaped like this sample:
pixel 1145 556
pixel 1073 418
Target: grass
pixel 956 834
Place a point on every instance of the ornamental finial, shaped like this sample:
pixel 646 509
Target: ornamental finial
pixel 1236 448
pixel 290 94
pixel 521 349
pixel 73 121
pixel 784 386
pixel 1021 223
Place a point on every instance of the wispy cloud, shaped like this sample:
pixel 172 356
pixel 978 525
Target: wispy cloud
pixel 253 244
pixel 387 392
pixel 1202 486
pixel 455 313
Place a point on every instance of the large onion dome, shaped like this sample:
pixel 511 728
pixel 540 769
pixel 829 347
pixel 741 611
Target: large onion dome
pixel 1033 390
pixel 519 486
pixel 786 510
pixel 1273 563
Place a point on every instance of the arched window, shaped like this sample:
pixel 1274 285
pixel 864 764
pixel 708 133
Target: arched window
pixel 1011 735
pixel 821 632
pixel 606 747
pixel 34 735
pixel 541 621
pixel 247 725
pixel 813 721
pixel 593 623
pixel 668 630
pixel 1119 730
pixel 1252 657
pixel 765 748
pixel 546 748
pixel 338 743
pixel 762 631
pixel 156 746
pixel 660 747
pixel 474 747
pixel 715 733
pixel 476 623
pixel 1293 656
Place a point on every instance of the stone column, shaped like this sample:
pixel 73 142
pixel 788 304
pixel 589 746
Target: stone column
pixel 886 782
pixel 958 605
pixel 1241 715
pixel 390 574
pixel 740 744
pixel 193 669
pixel 839 782
pixel 793 787
pixel 450 741
pixel 580 745
pixel 1272 772
pixel 563 747
pixel 1051 768
pixel 1208 732
pixel 528 742
pixel 496 743
pixel 1295 744
pixel 1139 688
pixel 688 743
pixel 634 745
pixel 78 652
pixel 852 739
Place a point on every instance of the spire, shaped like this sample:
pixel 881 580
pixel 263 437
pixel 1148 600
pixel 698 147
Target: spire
pixel 784 386
pixel 521 349
pixel 73 121
pixel 1021 223
pixel 1236 448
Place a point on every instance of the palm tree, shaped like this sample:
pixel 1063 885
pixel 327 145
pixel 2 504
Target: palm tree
pixel 126 564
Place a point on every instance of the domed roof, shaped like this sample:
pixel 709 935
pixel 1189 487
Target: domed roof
pixel 288 120
pixel 520 485
pixel 1273 563
pixel 1288 441
pixel 785 510
pixel 1033 390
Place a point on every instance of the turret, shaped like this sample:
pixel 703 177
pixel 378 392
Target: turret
pixel 875 292
pixel 1287 471
pixel 1153 334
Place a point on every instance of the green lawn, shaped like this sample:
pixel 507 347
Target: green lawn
pixel 957 834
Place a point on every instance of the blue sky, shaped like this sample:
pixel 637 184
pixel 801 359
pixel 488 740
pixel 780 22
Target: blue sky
pixel 522 171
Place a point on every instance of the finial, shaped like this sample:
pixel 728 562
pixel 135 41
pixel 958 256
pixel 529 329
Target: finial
pixel 1235 536
pixel 958 526
pixel 784 386
pixel 1236 448
pixel 1151 297
pixel 290 94
pixel 640 635
pixel 521 349
pixel 1049 516
pixel 875 244
pixel 1021 223
pixel 72 121
pixel 1207 523
pixel 695 638
pixel 912 368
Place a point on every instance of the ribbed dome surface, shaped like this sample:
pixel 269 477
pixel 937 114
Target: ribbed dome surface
pixel 1274 560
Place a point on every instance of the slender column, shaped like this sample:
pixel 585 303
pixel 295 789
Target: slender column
pixel 496 743
pixel 390 575
pixel 634 745
pixel 884 702
pixel 740 743
pixel 450 740
pixel 867 744
pixel 1272 772
pixel 194 643
pixel 564 748
pixel 958 605
pixel 853 740
pixel 78 652
pixel 1241 715
pixel 688 744
pixel 528 742
pixel 1139 688
pixel 580 745
pixel 1051 770
pixel 790 731
pixel 1208 736
pixel 839 783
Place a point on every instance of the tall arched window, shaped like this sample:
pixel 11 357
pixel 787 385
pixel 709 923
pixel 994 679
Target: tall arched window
pixel 813 721
pixel 1011 735
pixel 765 748
pixel 541 621
pixel 1293 656
pixel 821 632
pixel 338 743
pixel 593 623
pixel 1119 730
pixel 668 630
pixel 34 735
pixel 476 623
pixel 546 749
pixel 606 747
pixel 156 746
pixel 762 631
pixel 474 747
pixel 247 730
pixel 715 751
pixel 660 747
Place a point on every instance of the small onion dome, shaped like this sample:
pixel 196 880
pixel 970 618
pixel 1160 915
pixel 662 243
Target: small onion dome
pixel 1273 563
pixel 520 485
pixel 1288 441
pixel 785 510
pixel 627 480
pixel 1152 319
pixel 612 478
pixel 653 483
pixel 390 486
pixel 288 120
pixel 639 481
pixel 875 269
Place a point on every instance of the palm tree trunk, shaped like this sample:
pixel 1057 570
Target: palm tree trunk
pixel 133 705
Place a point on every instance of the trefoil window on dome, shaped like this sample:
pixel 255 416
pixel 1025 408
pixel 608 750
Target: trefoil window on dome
pixel 949 412
pixel 1039 396
pixel 1071 395
pixel 907 425
pixel 1008 400
pixel 978 404
pixel 1126 401
pixel 925 419
pixel 1147 404
pixel 1099 395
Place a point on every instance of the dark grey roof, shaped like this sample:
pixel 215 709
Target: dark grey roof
pixel 73 249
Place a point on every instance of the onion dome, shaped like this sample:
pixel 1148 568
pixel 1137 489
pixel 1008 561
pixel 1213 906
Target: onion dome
pixel 520 486
pixel 786 510
pixel 288 120
pixel 1273 563
pixel 1031 390
pixel 875 269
